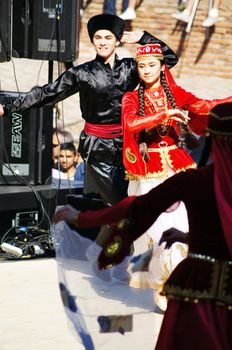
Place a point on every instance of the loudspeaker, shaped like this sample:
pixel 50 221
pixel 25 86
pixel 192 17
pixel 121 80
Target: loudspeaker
pixel 5 30
pixel 25 145
pixel 46 29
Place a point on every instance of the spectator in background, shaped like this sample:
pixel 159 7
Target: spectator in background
pixel 129 13
pixel 212 18
pixel 70 166
pixel 59 137
pixel 128 8
pixel 109 6
pixel 181 5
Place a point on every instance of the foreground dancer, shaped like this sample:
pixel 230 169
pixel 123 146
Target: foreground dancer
pixel 101 84
pixel 199 290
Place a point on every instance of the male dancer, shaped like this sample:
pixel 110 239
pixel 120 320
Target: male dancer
pixel 101 84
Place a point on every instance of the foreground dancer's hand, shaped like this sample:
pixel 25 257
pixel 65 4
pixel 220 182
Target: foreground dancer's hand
pixel 67 213
pixel 116 246
pixel 173 235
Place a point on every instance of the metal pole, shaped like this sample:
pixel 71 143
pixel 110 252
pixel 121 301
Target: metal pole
pixel 50 72
pixel 192 15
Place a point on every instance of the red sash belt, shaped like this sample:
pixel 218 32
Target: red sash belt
pixel 108 131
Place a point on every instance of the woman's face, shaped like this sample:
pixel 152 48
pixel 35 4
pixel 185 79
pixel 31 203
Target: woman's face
pixel 149 71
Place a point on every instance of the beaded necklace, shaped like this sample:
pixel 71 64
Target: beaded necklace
pixel 158 104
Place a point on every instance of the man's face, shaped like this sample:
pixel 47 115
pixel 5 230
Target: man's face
pixel 105 43
pixel 67 159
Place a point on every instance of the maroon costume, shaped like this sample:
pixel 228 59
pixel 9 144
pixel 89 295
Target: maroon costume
pixel 199 312
pixel 196 279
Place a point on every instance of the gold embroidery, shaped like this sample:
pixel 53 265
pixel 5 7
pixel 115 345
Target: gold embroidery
pixel 160 149
pixel 165 159
pixel 158 174
pixel 114 247
pixel 158 105
pixel 218 284
pixel 131 157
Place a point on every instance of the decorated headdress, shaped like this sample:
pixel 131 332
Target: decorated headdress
pixel 149 50
pixel 105 21
pixel 220 127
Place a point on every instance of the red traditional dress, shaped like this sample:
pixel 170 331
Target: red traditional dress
pixel 166 158
pixel 162 135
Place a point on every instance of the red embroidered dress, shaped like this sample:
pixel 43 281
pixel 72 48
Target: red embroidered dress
pixel 161 135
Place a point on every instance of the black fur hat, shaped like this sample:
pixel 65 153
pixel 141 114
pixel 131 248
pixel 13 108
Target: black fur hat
pixel 105 21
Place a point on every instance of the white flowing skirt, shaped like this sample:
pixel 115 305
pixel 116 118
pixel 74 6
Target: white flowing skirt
pixel 163 261
pixel 89 295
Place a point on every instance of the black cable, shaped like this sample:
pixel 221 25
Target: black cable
pixel 36 194
pixel 58 35
pixel 8 57
pixel 48 51
pixel 27 241
pixel 7 52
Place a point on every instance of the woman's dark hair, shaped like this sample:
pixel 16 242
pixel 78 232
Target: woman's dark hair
pixel 141 98
pixel 143 149
pixel 186 136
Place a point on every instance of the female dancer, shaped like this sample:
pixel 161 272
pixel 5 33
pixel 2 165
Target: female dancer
pixel 154 129
pixel 153 126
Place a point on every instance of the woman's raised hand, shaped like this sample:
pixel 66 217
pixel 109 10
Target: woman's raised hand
pixel 178 115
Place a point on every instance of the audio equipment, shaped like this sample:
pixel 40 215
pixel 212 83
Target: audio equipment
pixel 12 250
pixel 25 217
pixel 5 30
pixel 25 145
pixel 46 29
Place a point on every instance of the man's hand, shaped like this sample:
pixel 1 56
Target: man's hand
pixel 1 110
pixel 132 37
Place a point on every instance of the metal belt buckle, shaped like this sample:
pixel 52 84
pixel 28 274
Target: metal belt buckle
pixel 162 144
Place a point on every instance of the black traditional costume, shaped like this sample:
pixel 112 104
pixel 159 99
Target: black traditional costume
pixel 101 89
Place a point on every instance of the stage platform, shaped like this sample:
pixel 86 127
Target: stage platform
pixel 20 197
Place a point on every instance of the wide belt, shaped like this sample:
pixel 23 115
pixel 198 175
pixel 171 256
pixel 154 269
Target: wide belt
pixel 107 131
pixel 217 286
